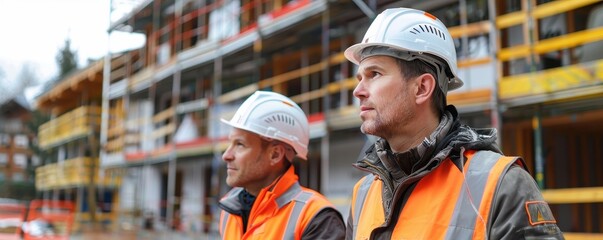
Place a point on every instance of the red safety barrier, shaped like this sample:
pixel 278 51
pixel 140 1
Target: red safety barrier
pixel 49 219
pixel 12 216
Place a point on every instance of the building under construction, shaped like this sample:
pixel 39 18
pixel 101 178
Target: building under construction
pixel 532 69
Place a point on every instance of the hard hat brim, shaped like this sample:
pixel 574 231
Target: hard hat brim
pixel 352 53
pixel 260 134
pixel 238 126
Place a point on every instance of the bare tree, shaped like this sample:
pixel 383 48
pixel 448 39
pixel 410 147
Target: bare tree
pixel 9 88
pixel 27 77
pixel 4 86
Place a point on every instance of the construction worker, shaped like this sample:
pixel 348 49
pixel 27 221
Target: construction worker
pixel 267 201
pixel 431 177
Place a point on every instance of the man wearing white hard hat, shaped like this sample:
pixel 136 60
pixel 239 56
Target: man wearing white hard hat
pixel 267 202
pixel 431 177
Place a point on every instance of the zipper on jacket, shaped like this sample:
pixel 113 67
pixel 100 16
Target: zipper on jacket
pixel 371 168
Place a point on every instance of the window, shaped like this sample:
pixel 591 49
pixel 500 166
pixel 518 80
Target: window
pixel 512 6
pixel 3 158
pixel 21 141
pixel 20 160
pixel 449 15
pixel 35 161
pixel 477 47
pixel 518 66
pixel 514 36
pixel 4 139
pixel 593 50
pixel 18 177
pixel 234 82
pixel 477 10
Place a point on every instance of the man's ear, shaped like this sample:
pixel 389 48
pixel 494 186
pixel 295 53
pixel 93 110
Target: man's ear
pixel 276 154
pixel 426 85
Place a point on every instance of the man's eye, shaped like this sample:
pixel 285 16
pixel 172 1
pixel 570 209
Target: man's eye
pixel 375 74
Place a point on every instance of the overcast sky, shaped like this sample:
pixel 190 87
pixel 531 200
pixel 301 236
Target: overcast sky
pixel 33 30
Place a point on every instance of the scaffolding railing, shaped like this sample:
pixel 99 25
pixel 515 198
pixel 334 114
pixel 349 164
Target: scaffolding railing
pixel 71 125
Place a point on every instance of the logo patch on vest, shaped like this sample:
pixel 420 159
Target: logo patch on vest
pixel 539 213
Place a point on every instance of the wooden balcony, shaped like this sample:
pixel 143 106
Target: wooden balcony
pixel 72 125
pixel 69 173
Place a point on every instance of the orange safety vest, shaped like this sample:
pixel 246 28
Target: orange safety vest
pixel 280 211
pixel 443 205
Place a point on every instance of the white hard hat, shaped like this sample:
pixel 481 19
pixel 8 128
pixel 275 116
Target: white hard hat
pixel 414 31
pixel 274 116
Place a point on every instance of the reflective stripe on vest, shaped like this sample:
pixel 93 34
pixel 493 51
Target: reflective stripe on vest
pixel 500 167
pixel 464 216
pixel 362 191
pixel 300 202
pixel 426 215
pixel 224 217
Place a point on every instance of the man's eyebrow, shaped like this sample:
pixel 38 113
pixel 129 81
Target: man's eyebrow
pixel 364 69
pixel 370 67
pixel 373 67
pixel 235 138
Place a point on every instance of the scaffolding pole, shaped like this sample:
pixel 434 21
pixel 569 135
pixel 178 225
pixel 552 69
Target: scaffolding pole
pixel 324 148
pixel 495 110
pixel 539 161
pixel 172 158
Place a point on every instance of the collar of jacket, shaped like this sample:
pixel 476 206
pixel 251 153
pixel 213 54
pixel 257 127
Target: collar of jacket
pixel 400 165
pixel 277 192
pixel 403 164
pixel 446 141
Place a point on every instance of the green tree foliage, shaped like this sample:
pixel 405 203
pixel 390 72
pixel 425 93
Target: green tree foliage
pixel 66 59
pixel 22 191
pixel 37 118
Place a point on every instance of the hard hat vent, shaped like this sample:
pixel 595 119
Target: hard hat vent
pixel 423 28
pixel 410 30
pixel 280 118
pixel 274 116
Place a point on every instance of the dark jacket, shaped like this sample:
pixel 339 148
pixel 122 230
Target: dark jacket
pixel 400 173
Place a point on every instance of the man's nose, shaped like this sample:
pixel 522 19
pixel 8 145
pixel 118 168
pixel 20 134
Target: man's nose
pixel 227 155
pixel 360 90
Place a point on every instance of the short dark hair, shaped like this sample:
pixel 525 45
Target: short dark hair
pixel 417 67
